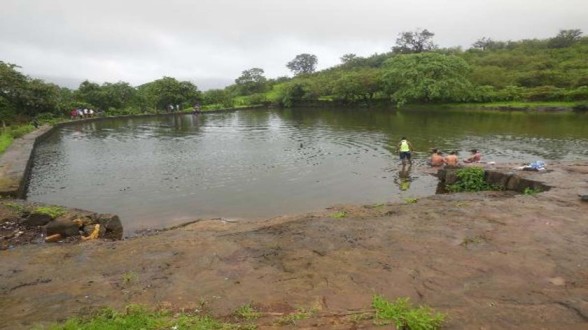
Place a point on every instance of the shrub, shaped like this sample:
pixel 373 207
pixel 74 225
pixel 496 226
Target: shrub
pixel 470 179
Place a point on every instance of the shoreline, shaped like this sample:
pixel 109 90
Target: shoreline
pixel 485 259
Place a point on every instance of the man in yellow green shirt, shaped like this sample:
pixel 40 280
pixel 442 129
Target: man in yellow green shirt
pixel 405 148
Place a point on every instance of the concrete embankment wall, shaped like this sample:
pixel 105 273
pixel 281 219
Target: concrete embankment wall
pixel 16 162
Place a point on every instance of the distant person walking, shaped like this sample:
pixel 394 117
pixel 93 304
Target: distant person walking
pixel 405 149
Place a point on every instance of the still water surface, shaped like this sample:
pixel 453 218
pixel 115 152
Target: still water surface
pixel 161 171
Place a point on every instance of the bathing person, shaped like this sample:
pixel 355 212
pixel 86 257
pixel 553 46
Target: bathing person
pixel 475 157
pixel 437 159
pixel 405 148
pixel 451 159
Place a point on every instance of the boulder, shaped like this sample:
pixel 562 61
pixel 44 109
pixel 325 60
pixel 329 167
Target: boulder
pixel 36 219
pixel 498 179
pixel 113 228
pixel 63 226
pixel 89 229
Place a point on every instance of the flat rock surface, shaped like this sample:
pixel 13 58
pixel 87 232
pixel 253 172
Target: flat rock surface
pixel 492 260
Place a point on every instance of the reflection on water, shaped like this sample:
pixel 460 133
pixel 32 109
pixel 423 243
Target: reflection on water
pixel 157 172
pixel 403 178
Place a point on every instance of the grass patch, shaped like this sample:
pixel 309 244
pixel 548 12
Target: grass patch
pixel 473 240
pixel 400 312
pixel 339 215
pixel 300 314
pixel 52 211
pixel 129 277
pixel 16 207
pixel 404 315
pixel 137 317
pixel 247 312
pixel 5 141
pixel 531 191
pixel 410 200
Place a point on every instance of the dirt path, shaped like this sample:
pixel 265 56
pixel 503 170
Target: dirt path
pixel 488 260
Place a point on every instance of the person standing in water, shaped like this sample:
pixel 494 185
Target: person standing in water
pixel 405 148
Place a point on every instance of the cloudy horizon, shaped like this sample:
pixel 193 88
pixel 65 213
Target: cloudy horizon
pixel 210 42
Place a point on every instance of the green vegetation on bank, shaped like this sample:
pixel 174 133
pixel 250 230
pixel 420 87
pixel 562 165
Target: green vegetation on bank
pixel 470 179
pixel 400 312
pixel 414 71
pixel 8 134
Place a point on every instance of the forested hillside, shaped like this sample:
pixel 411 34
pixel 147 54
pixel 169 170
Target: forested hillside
pixel 414 71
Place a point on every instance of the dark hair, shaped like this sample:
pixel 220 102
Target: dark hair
pixel 474 150
pixel 403 138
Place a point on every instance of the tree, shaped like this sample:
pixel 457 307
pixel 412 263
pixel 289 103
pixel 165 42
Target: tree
pixel 358 84
pixel 303 64
pixel 565 38
pixel 426 77
pixel 91 93
pixel 160 93
pixel 20 95
pixel 348 58
pixel 119 95
pixel 417 41
pixel 12 89
pixel 251 81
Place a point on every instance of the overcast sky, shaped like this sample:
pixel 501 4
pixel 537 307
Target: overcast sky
pixel 210 42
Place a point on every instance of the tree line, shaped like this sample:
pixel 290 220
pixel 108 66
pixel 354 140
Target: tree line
pixel 415 70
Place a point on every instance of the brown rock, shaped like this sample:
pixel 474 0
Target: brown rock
pixel 112 226
pixel 36 219
pixel 64 227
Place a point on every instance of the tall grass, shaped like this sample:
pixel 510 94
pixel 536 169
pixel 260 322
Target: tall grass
pixel 5 141
pixel 8 135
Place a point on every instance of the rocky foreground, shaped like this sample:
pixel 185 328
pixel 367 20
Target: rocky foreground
pixel 490 260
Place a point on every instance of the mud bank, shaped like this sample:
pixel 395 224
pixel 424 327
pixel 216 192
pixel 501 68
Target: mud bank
pixel 488 260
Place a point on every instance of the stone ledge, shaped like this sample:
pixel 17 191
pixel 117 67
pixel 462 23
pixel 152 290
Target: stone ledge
pixel 508 180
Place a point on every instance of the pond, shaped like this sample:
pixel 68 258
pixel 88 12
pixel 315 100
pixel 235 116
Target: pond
pixel 161 171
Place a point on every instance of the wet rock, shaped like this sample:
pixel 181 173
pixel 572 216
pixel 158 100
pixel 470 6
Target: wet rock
pixel 89 229
pixel 63 226
pixel 36 219
pixel 112 226
pixel 496 178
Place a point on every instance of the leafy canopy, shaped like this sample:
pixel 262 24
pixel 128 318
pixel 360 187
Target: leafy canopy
pixel 303 64
pixel 426 77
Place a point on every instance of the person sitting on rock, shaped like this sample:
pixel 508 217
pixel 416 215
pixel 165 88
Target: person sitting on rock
pixel 451 159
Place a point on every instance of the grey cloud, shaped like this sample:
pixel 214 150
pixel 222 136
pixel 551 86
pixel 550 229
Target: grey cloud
pixel 215 40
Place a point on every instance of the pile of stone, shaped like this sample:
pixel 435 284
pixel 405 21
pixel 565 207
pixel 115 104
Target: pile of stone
pixel 79 224
pixel 23 223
